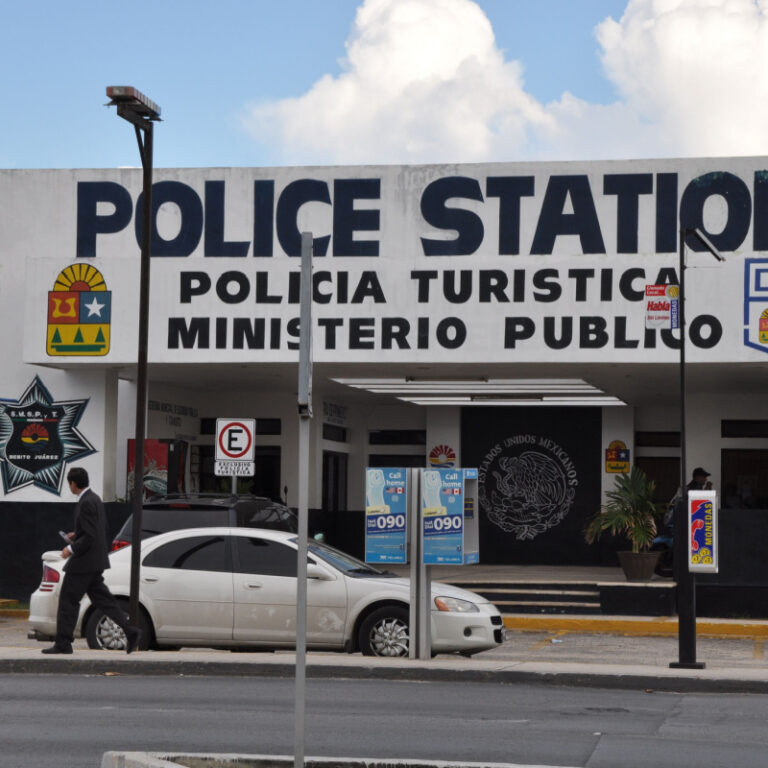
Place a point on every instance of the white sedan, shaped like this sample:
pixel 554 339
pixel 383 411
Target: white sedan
pixel 236 588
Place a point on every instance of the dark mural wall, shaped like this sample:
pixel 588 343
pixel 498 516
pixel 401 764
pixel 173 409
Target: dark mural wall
pixel 539 480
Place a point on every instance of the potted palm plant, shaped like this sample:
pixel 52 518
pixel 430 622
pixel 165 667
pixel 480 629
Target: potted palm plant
pixel 631 511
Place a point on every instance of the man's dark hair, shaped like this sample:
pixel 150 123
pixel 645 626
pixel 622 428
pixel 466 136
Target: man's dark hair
pixel 78 476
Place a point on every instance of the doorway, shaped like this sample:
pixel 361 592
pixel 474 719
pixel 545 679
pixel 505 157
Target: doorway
pixel 334 481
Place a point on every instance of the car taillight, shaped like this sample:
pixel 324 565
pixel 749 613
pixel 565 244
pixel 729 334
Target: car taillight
pixel 50 579
pixel 118 544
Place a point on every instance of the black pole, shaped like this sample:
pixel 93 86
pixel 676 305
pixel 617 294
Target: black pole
pixel 137 501
pixel 686 581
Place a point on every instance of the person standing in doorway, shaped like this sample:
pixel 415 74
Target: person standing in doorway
pixel 87 559
pixel 699 481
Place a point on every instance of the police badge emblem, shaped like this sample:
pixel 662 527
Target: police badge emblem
pixel 37 437
pixel 79 313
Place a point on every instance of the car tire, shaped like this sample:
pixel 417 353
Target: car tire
pixel 103 634
pixel 385 632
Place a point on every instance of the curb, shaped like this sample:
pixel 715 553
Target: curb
pixel 663 681
pixel 641 626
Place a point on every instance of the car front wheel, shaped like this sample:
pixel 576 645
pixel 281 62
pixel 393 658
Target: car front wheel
pixel 103 634
pixel 385 632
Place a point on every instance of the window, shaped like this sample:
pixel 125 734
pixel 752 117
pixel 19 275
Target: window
pixel 657 439
pixel 744 428
pixel 397 437
pixel 263 426
pixel 265 558
pixel 744 479
pixel 194 553
pixel 334 433
pixel 266 514
pixel 397 460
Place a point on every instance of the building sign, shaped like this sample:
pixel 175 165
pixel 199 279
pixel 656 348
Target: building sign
pixel 235 448
pixel 703 547
pixel 756 304
pixel 617 457
pixel 442 457
pixel 38 436
pixel 536 262
pixel 386 518
pixel 79 311
pixel 536 484
pixel 662 306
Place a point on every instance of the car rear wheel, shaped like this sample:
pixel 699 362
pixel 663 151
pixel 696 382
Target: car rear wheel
pixel 103 634
pixel 385 632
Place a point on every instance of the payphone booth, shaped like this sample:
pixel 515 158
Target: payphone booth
pixel 449 517
pixel 386 515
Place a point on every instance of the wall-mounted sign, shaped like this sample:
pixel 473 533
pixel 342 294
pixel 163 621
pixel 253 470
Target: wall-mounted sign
pixel 79 313
pixel 386 518
pixel 617 457
pixel 38 435
pixel 703 547
pixel 662 306
pixel 442 457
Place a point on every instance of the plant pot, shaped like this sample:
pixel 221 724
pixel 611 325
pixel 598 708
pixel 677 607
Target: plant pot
pixel 638 566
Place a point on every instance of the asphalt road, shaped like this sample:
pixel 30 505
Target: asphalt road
pixel 69 721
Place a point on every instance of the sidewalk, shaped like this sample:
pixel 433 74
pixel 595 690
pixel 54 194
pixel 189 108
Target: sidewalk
pixel 552 656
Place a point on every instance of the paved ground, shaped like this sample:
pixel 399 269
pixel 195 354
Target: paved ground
pixel 558 656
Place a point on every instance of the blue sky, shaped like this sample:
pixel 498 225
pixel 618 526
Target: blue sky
pixel 248 83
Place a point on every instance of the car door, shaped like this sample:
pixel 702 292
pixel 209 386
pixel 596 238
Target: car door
pixel 265 596
pixel 188 582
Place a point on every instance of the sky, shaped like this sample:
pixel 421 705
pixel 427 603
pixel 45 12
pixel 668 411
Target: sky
pixel 334 82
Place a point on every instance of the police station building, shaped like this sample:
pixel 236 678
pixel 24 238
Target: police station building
pixel 488 316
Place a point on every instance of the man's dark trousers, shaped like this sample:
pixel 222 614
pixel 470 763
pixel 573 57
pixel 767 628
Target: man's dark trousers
pixel 84 569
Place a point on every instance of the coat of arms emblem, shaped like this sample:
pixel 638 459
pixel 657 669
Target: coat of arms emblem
pixel 79 313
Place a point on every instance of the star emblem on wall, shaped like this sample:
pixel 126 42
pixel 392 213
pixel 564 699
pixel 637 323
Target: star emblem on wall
pixel 38 436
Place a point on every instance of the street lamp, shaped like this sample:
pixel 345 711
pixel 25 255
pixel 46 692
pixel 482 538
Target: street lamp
pixel 133 106
pixel 686 581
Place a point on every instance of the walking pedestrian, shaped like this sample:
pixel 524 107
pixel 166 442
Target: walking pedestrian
pixel 87 559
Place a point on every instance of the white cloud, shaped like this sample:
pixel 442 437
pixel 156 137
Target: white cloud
pixel 424 81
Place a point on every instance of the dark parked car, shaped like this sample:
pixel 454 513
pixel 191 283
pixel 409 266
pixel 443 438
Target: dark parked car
pixel 174 511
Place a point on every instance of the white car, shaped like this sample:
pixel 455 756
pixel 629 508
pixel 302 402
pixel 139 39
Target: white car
pixel 236 588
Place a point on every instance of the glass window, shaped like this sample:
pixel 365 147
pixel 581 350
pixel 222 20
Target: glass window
pixel 744 479
pixel 266 514
pixel 266 558
pixel 194 553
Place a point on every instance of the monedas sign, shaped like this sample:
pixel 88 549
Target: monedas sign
pixel 485 262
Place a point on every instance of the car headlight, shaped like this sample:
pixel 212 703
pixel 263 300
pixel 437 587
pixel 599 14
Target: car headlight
pixel 454 605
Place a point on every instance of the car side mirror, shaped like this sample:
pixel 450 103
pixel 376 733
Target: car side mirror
pixel 315 571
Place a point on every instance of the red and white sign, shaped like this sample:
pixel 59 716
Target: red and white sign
pixel 662 306
pixel 235 447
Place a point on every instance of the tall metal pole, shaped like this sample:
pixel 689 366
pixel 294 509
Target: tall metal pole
pixel 305 414
pixel 686 581
pixel 145 149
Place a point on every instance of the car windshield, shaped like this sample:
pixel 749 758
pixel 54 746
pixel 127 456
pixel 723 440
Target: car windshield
pixel 342 561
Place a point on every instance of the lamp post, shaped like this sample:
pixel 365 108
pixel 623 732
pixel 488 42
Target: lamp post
pixel 136 108
pixel 686 581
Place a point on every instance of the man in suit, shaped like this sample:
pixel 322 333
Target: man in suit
pixel 87 558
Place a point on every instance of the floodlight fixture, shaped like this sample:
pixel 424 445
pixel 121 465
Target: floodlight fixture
pixel 129 98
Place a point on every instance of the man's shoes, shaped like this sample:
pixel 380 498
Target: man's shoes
pixel 132 639
pixel 66 649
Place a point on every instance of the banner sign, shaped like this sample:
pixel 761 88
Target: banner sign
pixel 386 515
pixel 702 532
pixel 545 262
pixel 662 306
pixel 442 509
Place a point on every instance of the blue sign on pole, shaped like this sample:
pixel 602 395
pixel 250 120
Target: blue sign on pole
pixel 442 509
pixel 386 518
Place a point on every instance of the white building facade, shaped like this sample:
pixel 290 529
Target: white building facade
pixel 487 315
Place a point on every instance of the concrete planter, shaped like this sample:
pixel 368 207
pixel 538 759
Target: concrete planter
pixel 638 566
